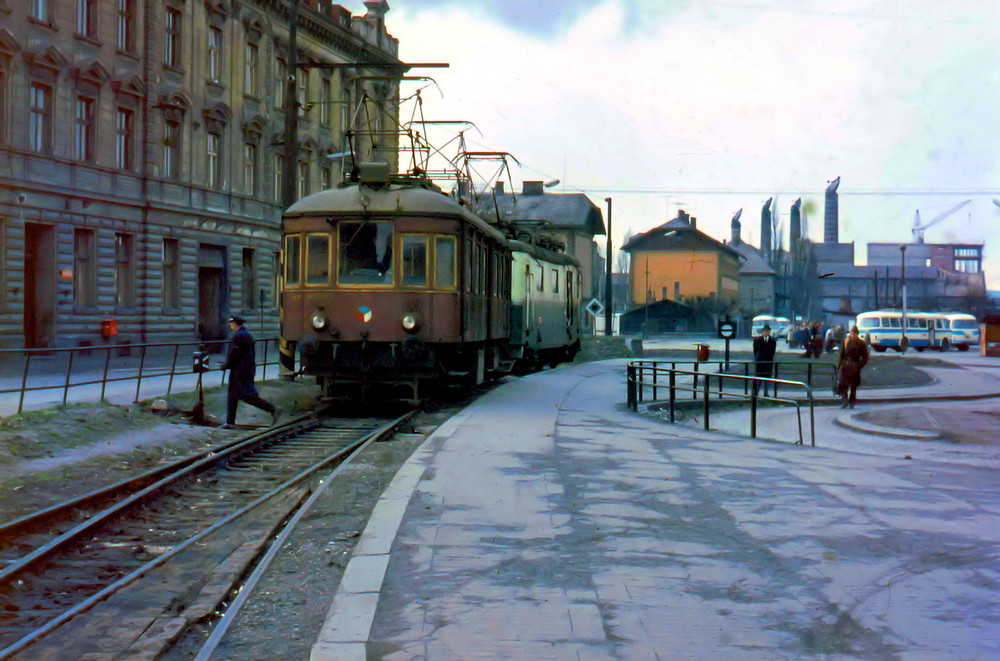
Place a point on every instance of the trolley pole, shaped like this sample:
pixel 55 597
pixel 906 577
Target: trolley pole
pixel 903 342
pixel 607 278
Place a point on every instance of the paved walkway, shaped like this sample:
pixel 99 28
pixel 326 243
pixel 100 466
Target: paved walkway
pixel 549 522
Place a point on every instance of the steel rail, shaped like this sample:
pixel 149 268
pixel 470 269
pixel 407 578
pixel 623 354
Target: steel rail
pixel 233 611
pixel 106 592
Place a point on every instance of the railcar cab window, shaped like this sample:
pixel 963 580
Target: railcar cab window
pixel 414 263
pixel 318 259
pixel 871 322
pixel 293 249
pixel 444 264
pixel 365 253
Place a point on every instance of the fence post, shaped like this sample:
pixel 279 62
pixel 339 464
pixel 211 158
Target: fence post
pixel 746 382
pixel 694 385
pixel 673 384
pixel 775 384
pixel 24 380
pixel 69 373
pixel 707 389
pixel 656 371
pixel 138 380
pixel 753 414
pixel 104 379
pixel 173 367
pixel 630 387
pixel 263 377
pixel 809 374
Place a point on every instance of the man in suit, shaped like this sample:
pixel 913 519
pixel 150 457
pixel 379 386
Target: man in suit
pixel 764 347
pixel 242 367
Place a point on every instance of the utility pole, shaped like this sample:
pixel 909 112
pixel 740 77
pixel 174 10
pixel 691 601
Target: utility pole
pixel 290 108
pixel 607 278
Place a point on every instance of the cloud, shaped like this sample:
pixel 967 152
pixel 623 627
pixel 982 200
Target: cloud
pixel 712 97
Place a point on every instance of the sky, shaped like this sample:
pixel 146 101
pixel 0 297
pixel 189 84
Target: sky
pixel 715 106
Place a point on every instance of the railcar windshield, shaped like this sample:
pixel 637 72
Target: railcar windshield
pixel 868 322
pixel 964 324
pixel 365 253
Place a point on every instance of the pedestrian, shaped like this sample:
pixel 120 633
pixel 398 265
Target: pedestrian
pixel 242 368
pixel 817 339
pixel 839 335
pixel 853 357
pixel 804 335
pixel 829 340
pixel 764 347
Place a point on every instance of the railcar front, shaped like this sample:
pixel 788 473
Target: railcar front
pixel 389 286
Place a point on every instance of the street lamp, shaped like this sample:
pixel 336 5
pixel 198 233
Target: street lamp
pixel 607 278
pixel 903 341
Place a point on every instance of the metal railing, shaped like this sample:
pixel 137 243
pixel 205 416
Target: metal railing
pixel 101 365
pixel 643 375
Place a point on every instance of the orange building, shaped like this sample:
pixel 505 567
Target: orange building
pixel 675 262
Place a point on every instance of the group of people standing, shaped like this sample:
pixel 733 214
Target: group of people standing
pixel 853 355
pixel 815 338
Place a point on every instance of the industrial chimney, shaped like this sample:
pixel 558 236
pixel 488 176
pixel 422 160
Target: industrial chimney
pixel 735 227
pixel 831 230
pixel 765 230
pixel 796 224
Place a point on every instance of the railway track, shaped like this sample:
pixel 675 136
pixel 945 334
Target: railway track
pixel 128 568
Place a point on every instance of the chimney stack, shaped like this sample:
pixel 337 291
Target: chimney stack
pixel 831 215
pixel 734 229
pixel 498 189
pixel 796 224
pixel 765 230
pixel 532 188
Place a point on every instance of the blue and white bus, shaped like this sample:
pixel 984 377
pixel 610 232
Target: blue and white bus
pixel 883 329
pixel 963 330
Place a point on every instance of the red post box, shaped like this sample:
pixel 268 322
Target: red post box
pixel 703 351
pixel 109 328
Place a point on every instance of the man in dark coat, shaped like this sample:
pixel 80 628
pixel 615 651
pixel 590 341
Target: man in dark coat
pixel 764 347
pixel 853 357
pixel 242 367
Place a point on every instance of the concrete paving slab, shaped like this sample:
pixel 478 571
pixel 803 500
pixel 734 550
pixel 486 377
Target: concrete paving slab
pixel 586 531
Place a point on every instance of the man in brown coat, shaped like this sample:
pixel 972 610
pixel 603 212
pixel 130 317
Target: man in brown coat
pixel 853 357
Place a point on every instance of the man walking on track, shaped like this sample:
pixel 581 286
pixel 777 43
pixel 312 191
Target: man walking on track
pixel 242 367
pixel 764 347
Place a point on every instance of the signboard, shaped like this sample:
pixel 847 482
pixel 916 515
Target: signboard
pixel 595 307
pixel 727 330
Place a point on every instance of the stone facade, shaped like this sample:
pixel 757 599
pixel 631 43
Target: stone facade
pixel 140 158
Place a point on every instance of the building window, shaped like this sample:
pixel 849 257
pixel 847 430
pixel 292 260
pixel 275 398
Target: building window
pixel 213 160
pixel 124 271
pixel 280 74
pixel 302 92
pixel 966 252
pixel 249 169
pixel 126 25
pixel 215 55
pixel 967 265
pixel 303 179
pixel 326 173
pixel 86 17
pixel 251 55
pixel 172 150
pixel 84 268
pixel 171 273
pixel 324 102
pixel 3 258
pixel 345 110
pixel 84 130
pixel 124 139
pixel 3 107
pixel 40 121
pixel 172 38
pixel 39 10
pixel 249 279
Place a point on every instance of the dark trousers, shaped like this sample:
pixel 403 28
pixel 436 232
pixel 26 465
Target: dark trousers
pixel 850 397
pixel 766 373
pixel 236 395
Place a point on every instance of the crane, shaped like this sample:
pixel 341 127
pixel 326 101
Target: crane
pixel 918 227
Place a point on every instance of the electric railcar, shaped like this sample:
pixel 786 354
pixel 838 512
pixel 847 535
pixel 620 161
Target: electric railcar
pixel 390 286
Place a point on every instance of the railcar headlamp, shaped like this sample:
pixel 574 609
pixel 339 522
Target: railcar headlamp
pixel 409 322
pixel 318 321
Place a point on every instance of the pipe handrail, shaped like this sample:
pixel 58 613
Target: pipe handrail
pixel 112 373
pixel 636 384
